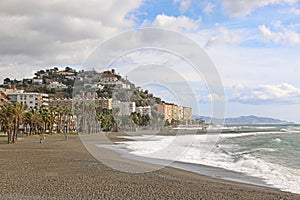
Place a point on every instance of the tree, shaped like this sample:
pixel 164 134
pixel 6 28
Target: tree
pixel 6 119
pixel 167 123
pixel 18 113
pixel 68 69
pixel 11 116
pixel 52 119
pixel 35 121
pixel 140 119
pixel 6 81
pixel 106 119
pixel 145 120
pixel 49 118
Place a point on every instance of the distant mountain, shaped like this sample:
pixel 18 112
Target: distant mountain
pixel 243 120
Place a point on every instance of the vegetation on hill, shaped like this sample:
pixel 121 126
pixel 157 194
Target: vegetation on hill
pixel 42 79
pixel 88 84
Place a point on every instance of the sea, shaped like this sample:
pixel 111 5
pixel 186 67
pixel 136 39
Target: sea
pixel 269 154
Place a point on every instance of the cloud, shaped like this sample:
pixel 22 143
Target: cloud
pixel 209 8
pixel 283 35
pixel 184 4
pixel 211 98
pixel 294 11
pixel 176 23
pixel 42 33
pixel 267 94
pixel 225 35
pixel 238 8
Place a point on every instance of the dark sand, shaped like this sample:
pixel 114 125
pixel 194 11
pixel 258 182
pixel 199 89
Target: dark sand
pixel 63 169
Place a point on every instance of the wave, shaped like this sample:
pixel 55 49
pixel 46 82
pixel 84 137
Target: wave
pixel 202 149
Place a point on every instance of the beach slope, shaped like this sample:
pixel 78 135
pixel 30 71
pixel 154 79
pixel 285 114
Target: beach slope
pixel 63 169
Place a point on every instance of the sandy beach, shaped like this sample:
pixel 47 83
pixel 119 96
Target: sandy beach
pixel 64 169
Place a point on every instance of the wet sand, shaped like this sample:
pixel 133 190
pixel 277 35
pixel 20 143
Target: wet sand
pixel 64 169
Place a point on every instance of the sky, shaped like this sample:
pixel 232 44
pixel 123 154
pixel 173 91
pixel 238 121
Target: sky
pixel 254 45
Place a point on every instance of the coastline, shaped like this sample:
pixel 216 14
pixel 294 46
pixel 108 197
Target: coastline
pixel 202 169
pixel 63 169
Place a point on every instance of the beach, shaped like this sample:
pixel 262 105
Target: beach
pixel 64 169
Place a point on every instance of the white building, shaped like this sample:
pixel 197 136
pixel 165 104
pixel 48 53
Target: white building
pixel 57 85
pixel 32 100
pixel 125 108
pixel 144 110
pixel 37 81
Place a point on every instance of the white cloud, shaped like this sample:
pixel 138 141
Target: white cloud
pixel 267 94
pixel 212 98
pixel 284 35
pixel 42 33
pixel 176 23
pixel 237 8
pixel 225 35
pixel 294 11
pixel 209 8
pixel 184 4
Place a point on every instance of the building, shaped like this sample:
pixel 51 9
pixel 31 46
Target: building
pixel 144 110
pixel 104 103
pixel 108 77
pixel 124 108
pixel 120 85
pixel 175 113
pixel 3 98
pixel 187 115
pixel 57 85
pixel 166 110
pixel 171 112
pixel 44 98
pixel 37 81
pixel 31 99
pixel 61 102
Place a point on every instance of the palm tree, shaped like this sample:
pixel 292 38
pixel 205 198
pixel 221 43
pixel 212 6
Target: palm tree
pixel 49 118
pixel 59 112
pixel 69 115
pixel 6 118
pixel 77 109
pixel 35 121
pixel 45 118
pixel 52 119
pixel 18 113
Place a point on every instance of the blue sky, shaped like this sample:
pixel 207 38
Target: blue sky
pixel 254 45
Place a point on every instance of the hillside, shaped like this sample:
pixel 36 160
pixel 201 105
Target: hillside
pixel 250 120
pixel 57 83
pixel 60 84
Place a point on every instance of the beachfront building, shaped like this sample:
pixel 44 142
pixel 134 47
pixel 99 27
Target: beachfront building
pixel 175 113
pixel 102 103
pixel 31 99
pixel 187 115
pixel 166 110
pixel 65 102
pixel 124 108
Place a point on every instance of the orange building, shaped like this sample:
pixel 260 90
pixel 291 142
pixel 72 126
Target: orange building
pixel 171 111
pixel 3 98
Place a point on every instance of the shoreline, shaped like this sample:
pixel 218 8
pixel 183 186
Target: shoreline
pixel 63 169
pixel 202 169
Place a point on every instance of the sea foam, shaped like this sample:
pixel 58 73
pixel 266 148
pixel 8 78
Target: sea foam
pixel 203 149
